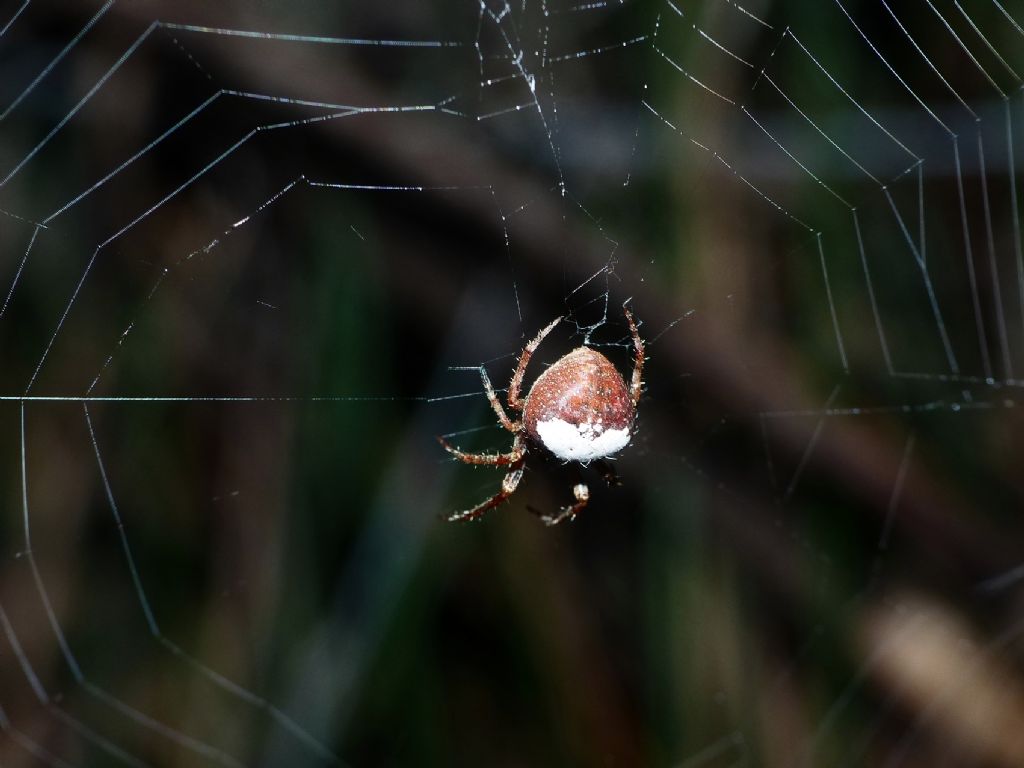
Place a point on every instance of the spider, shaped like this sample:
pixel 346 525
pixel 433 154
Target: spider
pixel 579 409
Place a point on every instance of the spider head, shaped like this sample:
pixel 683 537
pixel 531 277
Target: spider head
pixel 580 408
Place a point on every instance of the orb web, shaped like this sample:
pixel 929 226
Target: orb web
pixel 253 259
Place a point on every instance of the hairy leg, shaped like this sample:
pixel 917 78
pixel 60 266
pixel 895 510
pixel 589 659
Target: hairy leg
pixel 637 384
pixel 491 459
pixel 515 388
pixel 582 494
pixel 508 487
pixel 492 396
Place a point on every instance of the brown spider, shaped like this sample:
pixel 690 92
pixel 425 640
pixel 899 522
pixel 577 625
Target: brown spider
pixel 579 409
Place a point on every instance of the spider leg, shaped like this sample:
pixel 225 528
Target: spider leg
pixel 607 472
pixel 582 494
pixel 508 487
pixel 637 384
pixel 524 359
pixel 491 459
pixel 492 396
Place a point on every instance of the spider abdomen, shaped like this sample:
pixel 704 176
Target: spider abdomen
pixel 580 408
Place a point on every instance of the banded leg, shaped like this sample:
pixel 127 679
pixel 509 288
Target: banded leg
pixel 582 494
pixel 508 487
pixel 492 396
pixel 516 386
pixel 489 459
pixel 637 383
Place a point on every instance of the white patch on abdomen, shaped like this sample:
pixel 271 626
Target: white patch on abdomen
pixel 581 442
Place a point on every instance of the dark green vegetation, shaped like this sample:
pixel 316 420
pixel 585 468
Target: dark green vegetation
pixel 292 257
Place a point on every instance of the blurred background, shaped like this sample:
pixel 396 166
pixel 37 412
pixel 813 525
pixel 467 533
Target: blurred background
pixel 253 255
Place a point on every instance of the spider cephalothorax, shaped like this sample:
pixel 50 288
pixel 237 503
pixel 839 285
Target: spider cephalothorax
pixel 580 409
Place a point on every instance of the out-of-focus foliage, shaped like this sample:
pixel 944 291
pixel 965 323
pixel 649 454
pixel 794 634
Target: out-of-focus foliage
pixel 223 369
